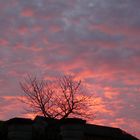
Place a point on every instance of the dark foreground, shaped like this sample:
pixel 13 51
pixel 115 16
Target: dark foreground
pixel 51 129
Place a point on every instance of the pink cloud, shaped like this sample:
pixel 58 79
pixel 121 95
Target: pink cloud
pixel 55 28
pixel 123 30
pixel 27 12
pixel 3 42
pixel 96 41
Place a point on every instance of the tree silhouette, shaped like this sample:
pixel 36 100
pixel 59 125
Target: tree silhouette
pixel 61 98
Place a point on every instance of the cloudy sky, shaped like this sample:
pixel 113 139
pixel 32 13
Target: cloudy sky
pixel 96 40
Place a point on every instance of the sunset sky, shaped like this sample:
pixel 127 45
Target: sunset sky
pixel 96 40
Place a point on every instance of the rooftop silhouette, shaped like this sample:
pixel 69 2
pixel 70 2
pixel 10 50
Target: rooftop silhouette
pixel 53 129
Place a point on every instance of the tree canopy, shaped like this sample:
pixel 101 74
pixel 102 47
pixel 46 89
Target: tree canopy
pixel 60 98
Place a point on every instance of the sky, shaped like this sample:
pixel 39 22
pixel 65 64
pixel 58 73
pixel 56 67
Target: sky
pixel 96 40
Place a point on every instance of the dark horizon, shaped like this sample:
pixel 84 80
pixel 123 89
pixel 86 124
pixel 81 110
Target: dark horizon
pixel 19 126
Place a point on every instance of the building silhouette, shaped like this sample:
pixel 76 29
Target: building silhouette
pixel 52 129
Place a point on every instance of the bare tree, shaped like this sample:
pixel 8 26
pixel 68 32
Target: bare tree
pixel 62 98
